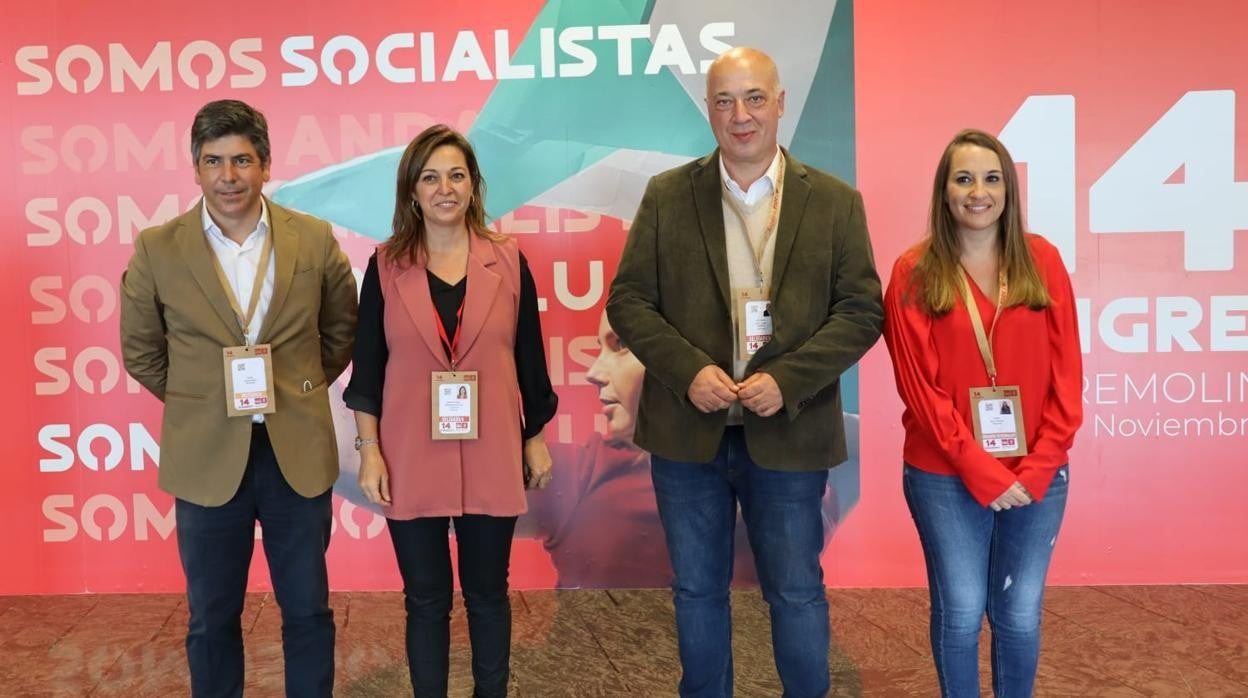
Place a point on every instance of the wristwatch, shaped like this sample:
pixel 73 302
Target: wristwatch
pixel 361 443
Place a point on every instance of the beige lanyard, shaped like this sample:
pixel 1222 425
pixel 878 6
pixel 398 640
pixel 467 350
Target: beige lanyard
pixel 985 340
pixel 261 270
pixel 756 255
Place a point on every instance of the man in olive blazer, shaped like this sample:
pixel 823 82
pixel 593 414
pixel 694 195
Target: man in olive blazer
pixel 671 304
pixel 671 291
pixel 227 473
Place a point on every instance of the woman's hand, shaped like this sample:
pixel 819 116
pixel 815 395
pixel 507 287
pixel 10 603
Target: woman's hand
pixel 374 478
pixel 537 459
pixel 1016 496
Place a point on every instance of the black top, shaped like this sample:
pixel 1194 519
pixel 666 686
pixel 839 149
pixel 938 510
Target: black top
pixel 368 373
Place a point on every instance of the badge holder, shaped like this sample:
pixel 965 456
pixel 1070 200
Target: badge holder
pixel 248 368
pixel 249 380
pixel 996 411
pixel 998 416
pixel 755 326
pixel 754 322
pixel 454 414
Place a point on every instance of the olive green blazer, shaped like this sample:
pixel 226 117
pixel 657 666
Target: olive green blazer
pixel 670 304
pixel 175 319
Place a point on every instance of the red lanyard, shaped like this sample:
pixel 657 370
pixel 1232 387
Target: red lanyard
pixel 451 345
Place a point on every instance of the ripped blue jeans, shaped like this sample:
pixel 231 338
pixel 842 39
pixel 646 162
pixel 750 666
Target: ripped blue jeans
pixel 982 561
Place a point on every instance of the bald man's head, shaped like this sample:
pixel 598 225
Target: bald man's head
pixel 744 103
pixel 744 57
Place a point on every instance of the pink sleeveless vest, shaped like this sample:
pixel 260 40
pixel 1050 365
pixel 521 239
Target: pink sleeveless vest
pixel 449 478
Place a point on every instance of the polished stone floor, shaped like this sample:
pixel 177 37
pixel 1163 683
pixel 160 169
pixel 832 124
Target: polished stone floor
pixel 1098 641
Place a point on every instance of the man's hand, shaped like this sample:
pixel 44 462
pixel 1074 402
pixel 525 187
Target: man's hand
pixel 712 389
pixel 760 394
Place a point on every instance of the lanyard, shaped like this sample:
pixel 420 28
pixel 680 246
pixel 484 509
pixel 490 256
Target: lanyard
pixel 756 255
pixel 451 344
pixel 985 340
pixel 262 268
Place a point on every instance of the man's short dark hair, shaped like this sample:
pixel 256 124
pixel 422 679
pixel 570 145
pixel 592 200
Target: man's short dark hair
pixel 230 117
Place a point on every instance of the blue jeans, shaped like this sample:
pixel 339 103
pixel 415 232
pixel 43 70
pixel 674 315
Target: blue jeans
pixel 698 506
pixel 982 561
pixel 423 550
pixel 216 544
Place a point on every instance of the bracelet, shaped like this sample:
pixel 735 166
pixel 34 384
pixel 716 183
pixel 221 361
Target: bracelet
pixel 361 443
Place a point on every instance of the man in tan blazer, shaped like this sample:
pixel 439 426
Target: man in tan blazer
pixel 239 271
pixel 746 288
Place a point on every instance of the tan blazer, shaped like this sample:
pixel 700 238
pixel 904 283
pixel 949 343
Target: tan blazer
pixel 175 319
pixel 669 303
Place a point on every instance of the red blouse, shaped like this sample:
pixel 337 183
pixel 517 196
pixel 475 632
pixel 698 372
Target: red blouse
pixel 936 362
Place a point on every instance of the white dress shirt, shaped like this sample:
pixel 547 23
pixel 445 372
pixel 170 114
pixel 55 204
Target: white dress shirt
pixel 763 186
pixel 239 263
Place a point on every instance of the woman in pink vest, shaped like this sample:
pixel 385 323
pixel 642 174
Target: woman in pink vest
pixel 450 392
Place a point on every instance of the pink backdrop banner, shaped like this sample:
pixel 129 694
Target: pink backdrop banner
pixel 1125 121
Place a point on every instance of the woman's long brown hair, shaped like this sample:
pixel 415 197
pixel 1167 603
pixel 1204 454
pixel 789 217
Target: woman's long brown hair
pixel 936 282
pixel 407 241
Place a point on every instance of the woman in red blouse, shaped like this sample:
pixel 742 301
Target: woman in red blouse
pixel 980 322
